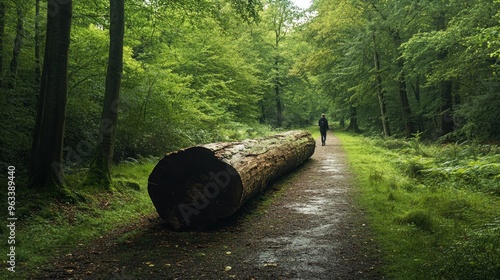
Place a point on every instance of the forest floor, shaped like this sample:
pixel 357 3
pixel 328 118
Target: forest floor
pixel 306 226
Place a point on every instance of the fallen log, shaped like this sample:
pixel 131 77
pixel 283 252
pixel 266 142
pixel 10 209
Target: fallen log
pixel 197 186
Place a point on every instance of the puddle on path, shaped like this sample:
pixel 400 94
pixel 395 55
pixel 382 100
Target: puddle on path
pixel 314 206
pixel 332 166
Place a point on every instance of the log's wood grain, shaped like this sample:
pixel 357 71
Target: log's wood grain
pixel 199 185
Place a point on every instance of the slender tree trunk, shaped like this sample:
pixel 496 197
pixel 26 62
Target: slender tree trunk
pixel 445 114
pixel 47 148
pixel 2 31
pixel 263 117
pixel 277 85
pixel 446 110
pixel 18 42
pixel 279 106
pixel 416 91
pixel 381 97
pixel 38 70
pixel 100 171
pixel 353 120
pixel 403 92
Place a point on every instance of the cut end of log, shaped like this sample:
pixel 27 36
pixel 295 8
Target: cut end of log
pixel 197 186
pixel 192 187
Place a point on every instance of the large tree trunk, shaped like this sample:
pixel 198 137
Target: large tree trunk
pixel 47 147
pixel 100 170
pixel 200 185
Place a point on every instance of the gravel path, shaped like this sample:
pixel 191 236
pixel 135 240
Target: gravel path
pixel 306 226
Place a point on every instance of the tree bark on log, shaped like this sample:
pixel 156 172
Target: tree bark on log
pixel 197 186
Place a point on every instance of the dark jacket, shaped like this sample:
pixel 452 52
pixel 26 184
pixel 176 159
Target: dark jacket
pixel 323 124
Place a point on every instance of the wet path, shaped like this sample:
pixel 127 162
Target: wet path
pixel 320 235
pixel 306 227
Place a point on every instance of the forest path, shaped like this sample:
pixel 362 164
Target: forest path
pixel 307 227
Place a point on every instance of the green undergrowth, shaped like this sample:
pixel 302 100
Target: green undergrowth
pixel 435 208
pixel 47 228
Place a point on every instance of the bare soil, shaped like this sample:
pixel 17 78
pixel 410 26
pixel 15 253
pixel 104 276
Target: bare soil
pixel 306 226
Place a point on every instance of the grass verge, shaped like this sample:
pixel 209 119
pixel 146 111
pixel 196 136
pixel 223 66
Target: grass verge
pixel 47 228
pixel 435 209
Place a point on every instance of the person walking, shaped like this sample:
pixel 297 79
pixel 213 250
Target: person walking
pixel 323 127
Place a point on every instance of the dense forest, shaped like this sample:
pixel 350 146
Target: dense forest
pixel 93 93
pixel 88 83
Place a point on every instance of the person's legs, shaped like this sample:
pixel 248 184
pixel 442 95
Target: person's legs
pixel 323 137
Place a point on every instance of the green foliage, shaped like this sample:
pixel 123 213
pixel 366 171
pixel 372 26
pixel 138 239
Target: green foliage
pixel 434 207
pixel 444 54
pixel 475 255
pixel 194 72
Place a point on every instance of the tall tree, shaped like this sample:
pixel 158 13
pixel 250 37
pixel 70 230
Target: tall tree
pixel 282 16
pixel 403 92
pixel 2 33
pixel 100 170
pixel 47 147
pixel 446 125
pixel 38 70
pixel 380 91
pixel 342 58
pixel 18 42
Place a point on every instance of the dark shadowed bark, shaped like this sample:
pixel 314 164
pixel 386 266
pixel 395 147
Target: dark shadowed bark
pixel 446 110
pixel 47 148
pixel 353 119
pixel 416 91
pixel 445 114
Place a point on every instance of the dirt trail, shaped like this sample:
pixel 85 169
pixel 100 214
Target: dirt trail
pixel 307 227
